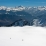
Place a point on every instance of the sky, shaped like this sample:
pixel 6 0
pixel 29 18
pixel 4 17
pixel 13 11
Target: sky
pixel 13 3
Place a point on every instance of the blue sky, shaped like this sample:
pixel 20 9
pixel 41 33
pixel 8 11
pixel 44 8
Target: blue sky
pixel 22 2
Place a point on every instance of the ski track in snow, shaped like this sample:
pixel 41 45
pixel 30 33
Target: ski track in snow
pixel 22 36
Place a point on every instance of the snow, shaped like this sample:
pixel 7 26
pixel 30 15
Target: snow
pixel 20 8
pixel 22 36
pixel 2 7
pixel 12 8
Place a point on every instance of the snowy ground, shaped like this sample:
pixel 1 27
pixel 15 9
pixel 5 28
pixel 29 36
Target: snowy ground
pixel 22 36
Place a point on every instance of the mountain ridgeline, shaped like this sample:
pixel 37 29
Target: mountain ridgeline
pixel 22 16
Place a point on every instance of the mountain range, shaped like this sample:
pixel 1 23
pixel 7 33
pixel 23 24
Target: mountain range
pixel 21 16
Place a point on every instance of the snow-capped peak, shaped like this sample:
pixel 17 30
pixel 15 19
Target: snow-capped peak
pixel 41 8
pixel 19 8
pixel 3 7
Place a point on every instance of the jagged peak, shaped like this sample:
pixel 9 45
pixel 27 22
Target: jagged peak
pixel 19 8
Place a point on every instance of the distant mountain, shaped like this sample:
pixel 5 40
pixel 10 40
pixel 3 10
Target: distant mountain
pixel 20 16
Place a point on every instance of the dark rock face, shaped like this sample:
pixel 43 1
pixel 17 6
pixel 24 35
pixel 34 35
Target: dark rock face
pixel 20 22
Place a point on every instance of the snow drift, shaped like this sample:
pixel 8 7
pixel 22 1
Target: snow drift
pixel 22 36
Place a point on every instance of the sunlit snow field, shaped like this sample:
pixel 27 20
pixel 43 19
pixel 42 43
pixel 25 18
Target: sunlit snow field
pixel 22 36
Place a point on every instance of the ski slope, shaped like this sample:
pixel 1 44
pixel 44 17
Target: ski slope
pixel 22 36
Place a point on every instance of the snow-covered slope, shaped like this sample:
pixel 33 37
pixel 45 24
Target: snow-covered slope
pixel 22 36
